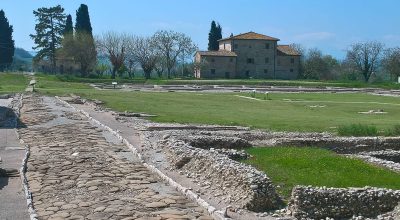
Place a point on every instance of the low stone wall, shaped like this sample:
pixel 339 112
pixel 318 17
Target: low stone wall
pixel 342 145
pixel 239 184
pixel 207 142
pixel 339 203
pixel 390 155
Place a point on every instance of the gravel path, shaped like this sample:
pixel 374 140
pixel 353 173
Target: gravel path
pixel 78 171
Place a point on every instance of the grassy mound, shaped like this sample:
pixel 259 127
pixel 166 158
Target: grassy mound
pixel 290 166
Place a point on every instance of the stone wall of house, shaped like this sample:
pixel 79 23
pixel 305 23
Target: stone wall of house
pixel 341 203
pixel 239 184
pixel 256 50
pixel 225 45
pixel 224 67
pixel 287 67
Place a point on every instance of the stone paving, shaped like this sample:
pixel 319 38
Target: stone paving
pixel 77 171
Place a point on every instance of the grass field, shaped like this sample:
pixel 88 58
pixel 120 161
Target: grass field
pixel 284 112
pixel 11 83
pixel 255 82
pixel 290 166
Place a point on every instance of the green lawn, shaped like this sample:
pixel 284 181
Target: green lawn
pixel 249 82
pixel 284 112
pixel 13 82
pixel 290 166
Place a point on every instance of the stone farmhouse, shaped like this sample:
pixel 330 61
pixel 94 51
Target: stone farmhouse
pixel 248 55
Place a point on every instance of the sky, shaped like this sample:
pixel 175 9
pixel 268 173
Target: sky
pixel 330 25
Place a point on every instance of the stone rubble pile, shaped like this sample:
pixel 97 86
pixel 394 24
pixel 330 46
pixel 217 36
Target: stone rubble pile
pixel 232 153
pixel 339 203
pixel 239 184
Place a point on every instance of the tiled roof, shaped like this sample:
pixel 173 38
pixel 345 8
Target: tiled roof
pixel 221 53
pixel 250 36
pixel 286 50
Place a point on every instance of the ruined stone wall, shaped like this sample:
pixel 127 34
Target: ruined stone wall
pixel 239 184
pixel 338 203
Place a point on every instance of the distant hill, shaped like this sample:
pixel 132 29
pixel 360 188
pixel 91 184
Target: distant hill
pixel 20 53
pixel 22 60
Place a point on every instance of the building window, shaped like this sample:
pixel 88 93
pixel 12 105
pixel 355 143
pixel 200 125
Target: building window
pixel 213 71
pixel 235 46
pixel 291 60
pixel 291 70
pixel 212 60
pixel 265 70
pixel 267 46
pixel 250 60
pixel 231 60
pixel 267 60
pixel 247 74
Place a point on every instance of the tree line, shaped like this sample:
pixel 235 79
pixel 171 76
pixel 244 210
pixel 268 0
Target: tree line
pixel 364 61
pixel 57 40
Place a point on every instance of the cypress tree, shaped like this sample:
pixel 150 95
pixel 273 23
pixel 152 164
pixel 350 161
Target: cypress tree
pixel 212 40
pixel 219 33
pixel 82 23
pixel 85 54
pixel 68 26
pixel 7 46
pixel 214 35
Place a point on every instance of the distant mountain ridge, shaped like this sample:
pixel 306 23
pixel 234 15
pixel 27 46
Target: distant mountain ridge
pixel 22 60
pixel 20 53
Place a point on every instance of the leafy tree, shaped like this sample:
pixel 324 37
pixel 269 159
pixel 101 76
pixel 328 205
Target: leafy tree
pixel 169 45
pixel 364 57
pixel 49 32
pixel 84 39
pixel 81 49
pixel 6 42
pixel 69 29
pixel 82 23
pixel 214 35
pixel 101 69
pixel 314 65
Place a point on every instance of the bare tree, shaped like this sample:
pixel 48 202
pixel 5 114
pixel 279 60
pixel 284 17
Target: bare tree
pixel 114 46
pixel 170 45
pixel 364 57
pixel 131 64
pixel 160 66
pixel 391 62
pixel 141 49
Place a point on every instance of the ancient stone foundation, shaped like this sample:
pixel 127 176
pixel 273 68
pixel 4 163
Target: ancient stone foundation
pixel 339 203
pixel 239 184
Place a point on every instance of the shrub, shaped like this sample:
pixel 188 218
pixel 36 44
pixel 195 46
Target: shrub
pixel 357 130
pixel 395 131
